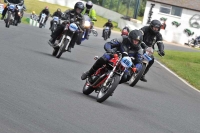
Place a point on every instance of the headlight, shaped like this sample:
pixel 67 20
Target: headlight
pixel 18 13
pixel 87 24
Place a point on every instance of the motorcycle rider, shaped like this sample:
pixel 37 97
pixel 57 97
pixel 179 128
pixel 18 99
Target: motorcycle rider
pixel 131 45
pixel 19 2
pixel 58 14
pixel 91 13
pixel 70 14
pixel 33 15
pixel 45 11
pixel 110 25
pixel 151 36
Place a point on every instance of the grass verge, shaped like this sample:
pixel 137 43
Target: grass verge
pixel 185 64
pixel 37 6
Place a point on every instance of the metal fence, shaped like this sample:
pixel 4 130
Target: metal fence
pixel 128 8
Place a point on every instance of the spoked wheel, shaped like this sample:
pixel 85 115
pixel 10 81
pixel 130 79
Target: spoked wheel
pixel 62 48
pixel 136 77
pixel 107 91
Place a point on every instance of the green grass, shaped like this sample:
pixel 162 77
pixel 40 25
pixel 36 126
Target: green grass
pixel 185 64
pixel 37 6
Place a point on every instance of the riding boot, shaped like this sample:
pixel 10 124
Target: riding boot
pixel 98 64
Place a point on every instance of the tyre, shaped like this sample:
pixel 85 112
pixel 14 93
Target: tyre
pixel 40 26
pixel 105 36
pixel 107 91
pixel 15 22
pixel 78 42
pixel 87 89
pixel 8 20
pixel 55 51
pixel 135 78
pixel 62 48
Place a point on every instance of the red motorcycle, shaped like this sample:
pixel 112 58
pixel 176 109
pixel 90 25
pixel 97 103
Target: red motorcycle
pixel 107 78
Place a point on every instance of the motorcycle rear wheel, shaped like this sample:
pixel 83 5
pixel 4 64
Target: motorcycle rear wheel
pixel 107 91
pixel 134 79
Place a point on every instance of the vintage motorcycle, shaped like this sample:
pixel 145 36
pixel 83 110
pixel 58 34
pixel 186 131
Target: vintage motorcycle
pixel 105 34
pixel 85 34
pixel 12 18
pixel 135 76
pixel 107 78
pixel 65 38
pixel 56 21
pixel 42 19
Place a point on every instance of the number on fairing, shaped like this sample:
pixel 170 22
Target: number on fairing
pixel 126 62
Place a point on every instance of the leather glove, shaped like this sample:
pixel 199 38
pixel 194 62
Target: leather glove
pixel 161 53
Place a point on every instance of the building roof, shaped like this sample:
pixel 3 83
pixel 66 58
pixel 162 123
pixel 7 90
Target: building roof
pixel 188 4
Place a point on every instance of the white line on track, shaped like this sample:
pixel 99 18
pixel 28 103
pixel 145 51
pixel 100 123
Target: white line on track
pixel 177 76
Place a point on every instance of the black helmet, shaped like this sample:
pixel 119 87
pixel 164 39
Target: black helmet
pixel 155 23
pixel 59 10
pixel 89 5
pixel 109 20
pixel 135 35
pixel 79 5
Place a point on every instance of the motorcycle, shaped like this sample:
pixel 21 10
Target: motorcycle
pixel 85 34
pixel 21 11
pixel 146 58
pixel 105 34
pixel 55 23
pixel 11 18
pixel 106 79
pixel 65 38
pixel 42 19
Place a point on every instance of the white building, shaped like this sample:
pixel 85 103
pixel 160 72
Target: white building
pixel 185 12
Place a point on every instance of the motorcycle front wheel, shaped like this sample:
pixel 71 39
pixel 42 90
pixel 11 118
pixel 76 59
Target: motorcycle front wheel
pixel 107 90
pixel 62 48
pixel 87 89
pixel 135 78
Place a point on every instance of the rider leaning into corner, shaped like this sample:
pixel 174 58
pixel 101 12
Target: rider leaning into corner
pixel 45 11
pixel 151 36
pixel 130 45
pixel 70 14
pixel 19 2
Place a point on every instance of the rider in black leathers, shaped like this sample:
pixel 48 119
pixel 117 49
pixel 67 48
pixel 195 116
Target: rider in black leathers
pixel 110 25
pixel 19 2
pixel 70 14
pixel 57 13
pixel 131 45
pixel 152 36
pixel 45 11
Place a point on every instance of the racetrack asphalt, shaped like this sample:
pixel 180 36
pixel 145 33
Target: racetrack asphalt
pixel 42 94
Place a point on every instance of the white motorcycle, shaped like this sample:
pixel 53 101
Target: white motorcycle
pixel 65 39
pixel 42 19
